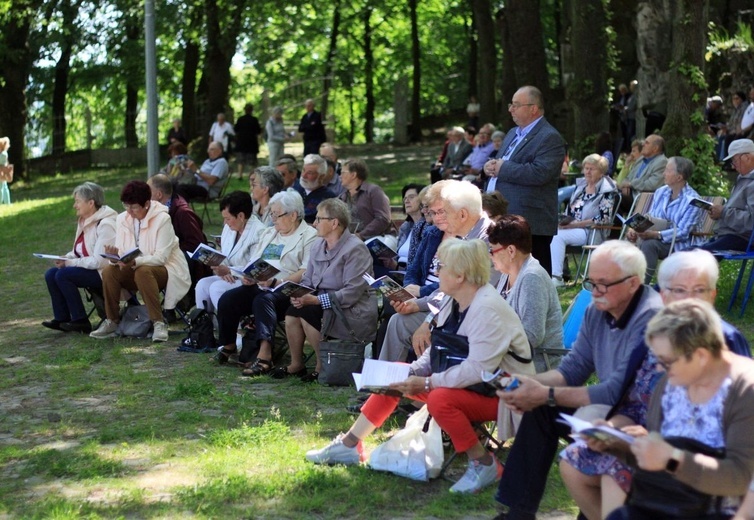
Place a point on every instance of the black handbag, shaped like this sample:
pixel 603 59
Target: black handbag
pixel 449 350
pixel 665 496
pixel 340 357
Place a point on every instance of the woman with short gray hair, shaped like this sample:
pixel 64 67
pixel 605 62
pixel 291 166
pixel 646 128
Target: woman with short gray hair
pixel 82 266
pixel 264 182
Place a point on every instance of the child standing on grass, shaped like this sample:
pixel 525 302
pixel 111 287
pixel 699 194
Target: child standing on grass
pixel 6 171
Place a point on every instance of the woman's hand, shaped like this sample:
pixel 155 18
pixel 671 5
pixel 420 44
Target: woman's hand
pixel 129 265
pixel 111 250
pixel 407 307
pixel 221 270
pixel 229 278
pixel 529 395
pixel 412 386
pixel 421 340
pixel 60 264
pixel 248 281
pixel 267 283
pixel 651 452
pixel 307 299
pixel 631 235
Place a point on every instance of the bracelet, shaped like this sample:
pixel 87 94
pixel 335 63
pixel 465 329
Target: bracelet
pixel 426 384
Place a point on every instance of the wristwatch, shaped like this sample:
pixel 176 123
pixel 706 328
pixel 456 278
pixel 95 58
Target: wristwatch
pixel 551 397
pixel 674 460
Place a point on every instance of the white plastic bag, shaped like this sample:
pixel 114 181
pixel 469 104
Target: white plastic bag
pixel 412 452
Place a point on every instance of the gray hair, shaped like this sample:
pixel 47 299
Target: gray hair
pixel 535 96
pixel 289 164
pixel 90 191
pixel 277 111
pixel 684 167
pixel 161 182
pixel 317 160
pixel 497 134
pixel 336 209
pixel 458 194
pixel 629 258
pixel 289 201
pixel 697 261
pixel 599 161
pixel 269 178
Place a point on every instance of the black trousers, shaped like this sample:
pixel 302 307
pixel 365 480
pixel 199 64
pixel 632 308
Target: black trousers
pixel 267 307
pixel 540 249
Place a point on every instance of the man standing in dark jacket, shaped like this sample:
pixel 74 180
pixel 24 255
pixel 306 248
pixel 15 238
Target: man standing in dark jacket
pixel 312 128
pixel 247 140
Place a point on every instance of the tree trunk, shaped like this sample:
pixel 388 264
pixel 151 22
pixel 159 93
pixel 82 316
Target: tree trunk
pixel 222 39
pixel 686 88
pixel 416 131
pixel 15 65
pixel 190 70
pixel 487 52
pixel 653 48
pixel 133 32
pixel 330 61
pixel 587 90
pixel 471 31
pixel 70 35
pixel 59 93
pixel 509 82
pixel 527 44
pixel 368 75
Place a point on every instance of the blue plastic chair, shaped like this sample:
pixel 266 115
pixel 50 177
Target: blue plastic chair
pixel 743 257
pixel 571 324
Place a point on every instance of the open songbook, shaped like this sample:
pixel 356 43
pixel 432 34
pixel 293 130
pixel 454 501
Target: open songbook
pixel 379 249
pixel 292 290
pixel 391 289
pixel 641 223
pixel 208 255
pixel 50 257
pixel 257 271
pixel 602 432
pixel 125 258
pixel 376 376
pixel 701 203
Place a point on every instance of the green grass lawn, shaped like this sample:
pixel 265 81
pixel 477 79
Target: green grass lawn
pixel 126 429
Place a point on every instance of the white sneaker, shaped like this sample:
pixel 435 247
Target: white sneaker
pixel 160 332
pixel 557 282
pixel 106 330
pixel 337 453
pixel 478 477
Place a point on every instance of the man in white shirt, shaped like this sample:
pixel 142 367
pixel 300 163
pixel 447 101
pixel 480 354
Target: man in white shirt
pixel 220 132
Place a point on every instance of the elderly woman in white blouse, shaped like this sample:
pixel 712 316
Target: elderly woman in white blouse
pixel 240 234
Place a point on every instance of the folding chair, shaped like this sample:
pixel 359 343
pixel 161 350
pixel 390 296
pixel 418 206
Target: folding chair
pixel 743 257
pixel 486 434
pixel 705 228
pixel 571 324
pixel 94 296
pixel 207 200
pixel 594 238
pixel 642 203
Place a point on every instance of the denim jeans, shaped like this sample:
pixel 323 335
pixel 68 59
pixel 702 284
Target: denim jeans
pixel 64 284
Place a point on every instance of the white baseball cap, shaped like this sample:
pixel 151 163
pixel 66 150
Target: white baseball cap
pixel 740 146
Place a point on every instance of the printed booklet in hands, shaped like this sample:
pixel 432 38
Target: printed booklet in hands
pixel 376 376
pixel 126 258
pixel 602 432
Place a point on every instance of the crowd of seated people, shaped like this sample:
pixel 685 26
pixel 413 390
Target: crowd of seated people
pixel 465 260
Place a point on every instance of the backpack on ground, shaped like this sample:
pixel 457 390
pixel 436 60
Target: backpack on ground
pixel 201 333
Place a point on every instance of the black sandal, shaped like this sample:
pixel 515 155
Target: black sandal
pixel 281 372
pixel 310 378
pixel 223 355
pixel 260 367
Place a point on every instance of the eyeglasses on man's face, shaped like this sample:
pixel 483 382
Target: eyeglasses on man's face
pixel 591 285
pixel 516 106
pixel 318 219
